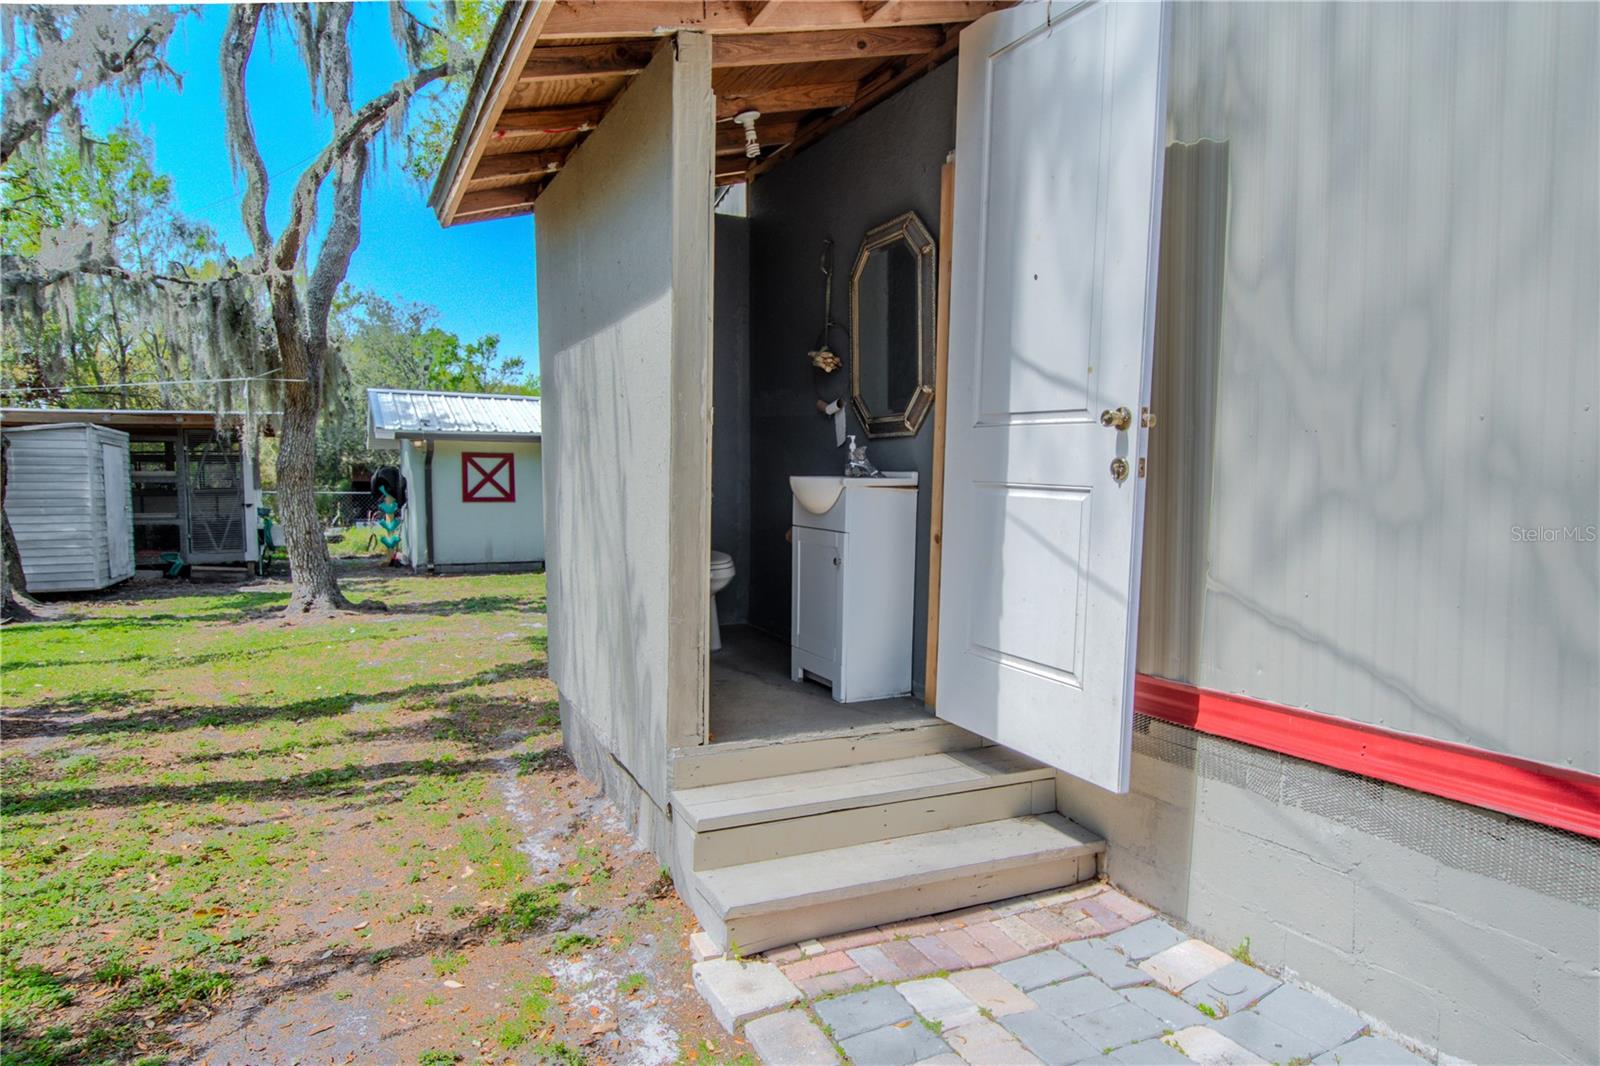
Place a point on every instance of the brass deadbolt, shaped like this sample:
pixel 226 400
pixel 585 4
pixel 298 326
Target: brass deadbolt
pixel 1121 418
pixel 1119 469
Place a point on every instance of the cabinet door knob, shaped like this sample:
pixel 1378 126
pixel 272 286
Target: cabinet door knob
pixel 835 560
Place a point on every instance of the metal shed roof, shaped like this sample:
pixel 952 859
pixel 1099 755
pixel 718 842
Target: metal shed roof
pixel 394 414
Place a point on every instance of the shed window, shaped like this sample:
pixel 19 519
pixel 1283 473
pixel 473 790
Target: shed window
pixel 488 477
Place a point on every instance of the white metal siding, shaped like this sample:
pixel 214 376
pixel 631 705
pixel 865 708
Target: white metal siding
pixel 55 498
pixel 1405 364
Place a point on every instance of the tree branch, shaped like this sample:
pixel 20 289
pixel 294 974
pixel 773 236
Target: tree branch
pixel 363 125
pixel 238 41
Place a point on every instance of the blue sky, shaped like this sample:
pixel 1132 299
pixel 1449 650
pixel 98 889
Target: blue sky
pixel 479 276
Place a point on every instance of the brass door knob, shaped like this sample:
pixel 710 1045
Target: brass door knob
pixel 1121 418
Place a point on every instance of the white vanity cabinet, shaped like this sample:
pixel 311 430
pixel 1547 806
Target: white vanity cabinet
pixel 854 565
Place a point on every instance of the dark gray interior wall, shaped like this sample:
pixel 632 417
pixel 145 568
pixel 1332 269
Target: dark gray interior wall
pixel 730 433
pixel 885 163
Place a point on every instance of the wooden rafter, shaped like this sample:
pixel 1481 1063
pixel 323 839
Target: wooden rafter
pixel 772 49
pixel 871 93
pixel 787 98
pixel 645 18
pixel 510 43
pixel 585 60
pixel 771 132
pixel 518 197
pixel 550 60
pixel 569 119
pixel 761 12
pixel 520 165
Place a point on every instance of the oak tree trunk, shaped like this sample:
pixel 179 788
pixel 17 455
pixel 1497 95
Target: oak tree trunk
pixel 316 590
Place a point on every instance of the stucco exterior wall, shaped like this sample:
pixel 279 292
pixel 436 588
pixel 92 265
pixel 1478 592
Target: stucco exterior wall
pixel 1378 378
pixel 624 272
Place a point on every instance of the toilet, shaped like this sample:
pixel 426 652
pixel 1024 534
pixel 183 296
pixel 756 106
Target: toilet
pixel 721 574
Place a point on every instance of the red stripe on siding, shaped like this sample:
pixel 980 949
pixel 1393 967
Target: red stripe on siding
pixel 1549 795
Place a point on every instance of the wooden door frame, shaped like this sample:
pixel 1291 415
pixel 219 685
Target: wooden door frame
pixel 941 399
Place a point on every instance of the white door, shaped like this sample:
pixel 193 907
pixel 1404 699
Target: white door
pixel 119 510
pixel 1059 134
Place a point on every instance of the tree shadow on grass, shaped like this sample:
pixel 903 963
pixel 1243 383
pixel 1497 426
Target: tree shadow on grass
pixel 64 717
pixel 485 604
pixel 383 778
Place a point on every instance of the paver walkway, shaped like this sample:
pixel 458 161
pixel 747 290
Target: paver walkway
pixel 1084 975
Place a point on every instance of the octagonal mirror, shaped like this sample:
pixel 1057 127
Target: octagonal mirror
pixel 892 292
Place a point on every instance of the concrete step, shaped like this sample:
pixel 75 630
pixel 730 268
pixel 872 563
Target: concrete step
pixel 839 788
pixel 758 905
pixel 757 841
pixel 716 764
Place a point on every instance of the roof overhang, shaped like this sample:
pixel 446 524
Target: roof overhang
pixel 127 418
pixel 552 68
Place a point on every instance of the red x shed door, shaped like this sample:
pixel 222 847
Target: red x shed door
pixel 488 477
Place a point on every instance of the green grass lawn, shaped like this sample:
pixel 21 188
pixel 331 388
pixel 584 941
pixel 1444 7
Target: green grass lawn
pixel 214 821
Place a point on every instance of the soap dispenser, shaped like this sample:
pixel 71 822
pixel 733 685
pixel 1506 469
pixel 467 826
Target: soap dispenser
pixel 858 465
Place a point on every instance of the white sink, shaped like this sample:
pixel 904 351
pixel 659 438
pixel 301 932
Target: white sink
pixel 818 494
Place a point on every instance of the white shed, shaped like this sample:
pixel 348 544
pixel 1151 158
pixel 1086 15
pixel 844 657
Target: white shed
pixel 472 465
pixel 70 501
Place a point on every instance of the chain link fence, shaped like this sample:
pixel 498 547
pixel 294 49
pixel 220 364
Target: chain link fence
pixel 338 510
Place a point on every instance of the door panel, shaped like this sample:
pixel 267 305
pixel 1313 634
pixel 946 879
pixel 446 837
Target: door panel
pixel 1058 171
pixel 818 555
pixel 1017 622
pixel 119 510
pixel 216 499
pixel 1040 233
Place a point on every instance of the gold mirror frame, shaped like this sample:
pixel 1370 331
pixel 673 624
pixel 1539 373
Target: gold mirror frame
pixel 907 228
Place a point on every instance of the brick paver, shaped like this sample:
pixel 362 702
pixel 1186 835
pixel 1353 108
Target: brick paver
pixel 994 938
pixel 1082 976
pixel 861 1011
pixel 1049 1038
pixel 833 982
pixel 1183 964
pixel 816 965
pixel 1232 988
pixel 1116 1026
pixel 992 992
pixel 1141 941
pixel 1044 968
pixel 1077 996
pixel 984 1043
pixel 792 1038
pixel 939 952
pixel 937 999
pixel 1106 963
pixel 894 1045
